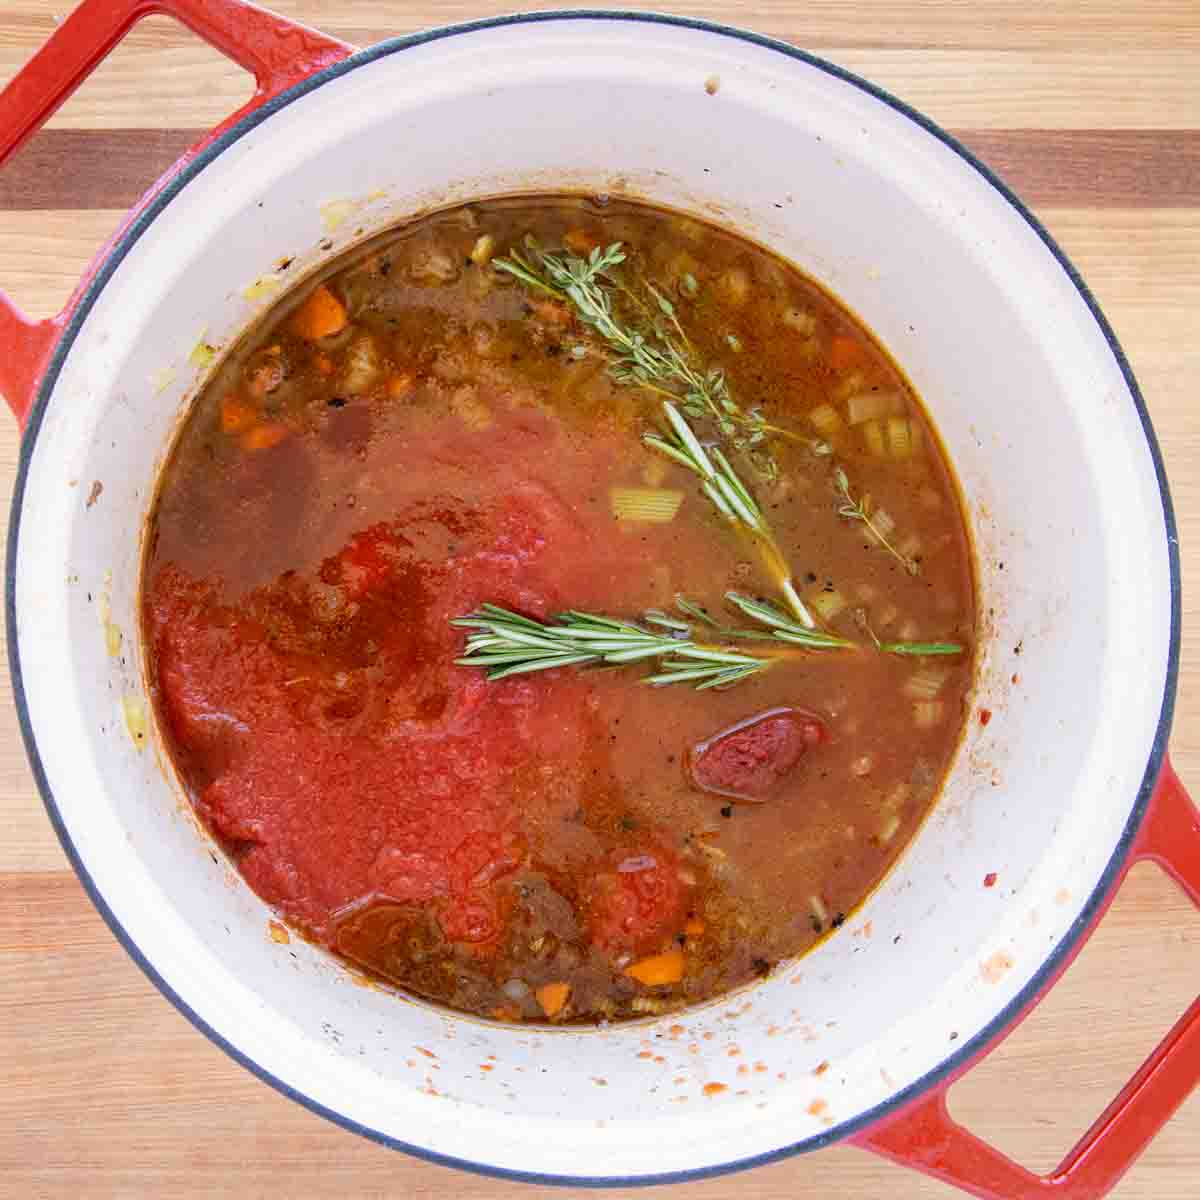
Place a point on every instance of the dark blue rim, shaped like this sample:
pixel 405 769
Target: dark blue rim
pixel 1066 945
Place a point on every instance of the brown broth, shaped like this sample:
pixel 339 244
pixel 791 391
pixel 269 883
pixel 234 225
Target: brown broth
pixel 332 501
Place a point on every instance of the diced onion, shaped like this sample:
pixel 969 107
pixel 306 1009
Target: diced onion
pixel 904 437
pixel 872 433
pixel 897 798
pixel 362 365
pixel 889 828
pixel 828 604
pixel 818 908
pixel 926 683
pixel 911 546
pixel 648 1004
pixel 433 264
pixel 887 616
pixel 928 713
pixel 899 437
pixel 654 505
pixel 516 989
pixel 482 251
pixel 826 420
pixel 870 406
pixel 799 319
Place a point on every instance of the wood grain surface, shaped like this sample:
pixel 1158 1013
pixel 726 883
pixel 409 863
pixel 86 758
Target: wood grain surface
pixel 1091 109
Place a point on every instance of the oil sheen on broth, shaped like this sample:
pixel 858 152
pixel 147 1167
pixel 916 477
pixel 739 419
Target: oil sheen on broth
pixel 419 433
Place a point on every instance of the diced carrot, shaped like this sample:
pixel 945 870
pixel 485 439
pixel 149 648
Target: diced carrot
pixel 321 315
pixel 579 242
pixel 324 364
pixel 694 927
pixel 553 312
pixel 657 969
pixel 844 352
pixel 400 384
pixel 506 1012
pixel 237 414
pixel 552 997
pixel 263 437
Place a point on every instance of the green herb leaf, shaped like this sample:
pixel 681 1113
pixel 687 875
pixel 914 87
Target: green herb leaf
pixel 859 510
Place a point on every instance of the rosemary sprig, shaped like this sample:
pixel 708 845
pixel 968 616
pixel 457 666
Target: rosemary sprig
pixel 505 643
pixel 784 628
pixel 920 649
pixel 860 510
pixel 907 649
pixel 729 496
pixel 659 357
pixel 727 632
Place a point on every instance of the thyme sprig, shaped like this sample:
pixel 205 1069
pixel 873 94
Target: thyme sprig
pixel 730 497
pixel 860 510
pixel 658 357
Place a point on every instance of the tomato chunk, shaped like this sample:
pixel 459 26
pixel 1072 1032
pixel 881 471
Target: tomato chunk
pixel 751 760
pixel 636 900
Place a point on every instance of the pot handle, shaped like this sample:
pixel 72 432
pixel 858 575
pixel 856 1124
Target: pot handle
pixel 925 1137
pixel 278 52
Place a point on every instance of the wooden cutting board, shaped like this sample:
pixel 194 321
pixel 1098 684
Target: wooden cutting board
pixel 1091 110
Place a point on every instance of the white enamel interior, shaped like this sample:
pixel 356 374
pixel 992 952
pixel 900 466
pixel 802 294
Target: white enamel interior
pixel 1051 455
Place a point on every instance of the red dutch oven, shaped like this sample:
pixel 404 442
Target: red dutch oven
pixel 1060 798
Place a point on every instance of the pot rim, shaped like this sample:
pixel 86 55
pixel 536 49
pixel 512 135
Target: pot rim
pixel 950 1066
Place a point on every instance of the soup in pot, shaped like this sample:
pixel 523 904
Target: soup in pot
pixel 560 609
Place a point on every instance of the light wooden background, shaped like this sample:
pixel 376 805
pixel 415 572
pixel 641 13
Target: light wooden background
pixel 1091 108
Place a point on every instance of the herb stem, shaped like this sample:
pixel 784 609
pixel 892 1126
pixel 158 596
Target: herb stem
pixel 860 510
pixel 730 497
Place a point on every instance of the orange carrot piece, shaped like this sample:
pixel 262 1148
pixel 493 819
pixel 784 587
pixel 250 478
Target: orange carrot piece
pixel 400 384
pixel 324 364
pixel 694 927
pixel 579 242
pixel 552 997
pixel 237 415
pixel 844 352
pixel 658 969
pixel 263 437
pixel 320 316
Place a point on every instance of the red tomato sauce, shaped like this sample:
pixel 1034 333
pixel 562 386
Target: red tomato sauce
pixel 351 761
